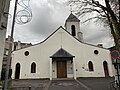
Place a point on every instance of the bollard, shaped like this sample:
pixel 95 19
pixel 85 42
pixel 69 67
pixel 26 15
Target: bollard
pixel 29 87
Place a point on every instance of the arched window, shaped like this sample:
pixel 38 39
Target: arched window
pixel 17 71
pixel 33 68
pixel 90 66
pixel 73 30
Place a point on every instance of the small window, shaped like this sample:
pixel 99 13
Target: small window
pixel 96 52
pixel 90 66
pixel 33 68
pixel 73 30
pixel 26 53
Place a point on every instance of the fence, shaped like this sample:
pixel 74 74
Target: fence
pixel 113 85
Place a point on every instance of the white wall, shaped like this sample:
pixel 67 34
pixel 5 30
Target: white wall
pixel 40 54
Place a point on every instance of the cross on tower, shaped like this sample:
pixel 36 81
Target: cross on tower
pixel 71 8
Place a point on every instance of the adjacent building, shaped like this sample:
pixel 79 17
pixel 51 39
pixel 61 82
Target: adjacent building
pixel 4 12
pixel 15 46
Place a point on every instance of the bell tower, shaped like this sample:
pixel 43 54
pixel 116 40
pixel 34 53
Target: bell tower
pixel 72 25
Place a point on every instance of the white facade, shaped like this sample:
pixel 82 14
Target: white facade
pixel 78 55
pixel 4 8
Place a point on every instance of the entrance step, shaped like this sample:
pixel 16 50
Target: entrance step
pixel 63 79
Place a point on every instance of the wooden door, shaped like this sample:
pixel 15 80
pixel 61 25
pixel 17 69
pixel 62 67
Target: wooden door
pixel 61 69
pixel 106 71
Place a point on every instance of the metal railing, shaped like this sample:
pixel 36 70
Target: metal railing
pixel 113 85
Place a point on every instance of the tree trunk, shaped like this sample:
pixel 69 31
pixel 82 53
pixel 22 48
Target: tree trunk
pixel 115 26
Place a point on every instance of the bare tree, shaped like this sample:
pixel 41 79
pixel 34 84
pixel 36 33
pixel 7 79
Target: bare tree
pixel 106 11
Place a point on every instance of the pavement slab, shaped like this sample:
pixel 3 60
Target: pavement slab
pixel 97 83
pixel 65 85
pixel 30 84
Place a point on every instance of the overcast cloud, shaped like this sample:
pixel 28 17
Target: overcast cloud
pixel 48 15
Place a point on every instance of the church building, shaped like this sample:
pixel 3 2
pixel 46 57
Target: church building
pixel 63 54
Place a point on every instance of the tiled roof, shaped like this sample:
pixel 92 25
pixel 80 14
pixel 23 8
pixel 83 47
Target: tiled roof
pixel 61 53
pixel 72 18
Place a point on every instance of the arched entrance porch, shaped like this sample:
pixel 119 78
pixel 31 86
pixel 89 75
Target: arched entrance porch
pixel 62 64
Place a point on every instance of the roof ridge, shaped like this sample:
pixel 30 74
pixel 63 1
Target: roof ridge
pixel 72 18
pixel 61 53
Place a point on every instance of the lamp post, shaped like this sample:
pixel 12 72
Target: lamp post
pixel 10 49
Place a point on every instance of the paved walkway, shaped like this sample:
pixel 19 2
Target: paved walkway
pixel 80 84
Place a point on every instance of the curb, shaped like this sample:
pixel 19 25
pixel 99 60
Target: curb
pixel 48 85
pixel 83 85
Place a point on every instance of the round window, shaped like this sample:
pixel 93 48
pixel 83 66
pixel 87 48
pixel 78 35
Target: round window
pixel 96 51
pixel 26 53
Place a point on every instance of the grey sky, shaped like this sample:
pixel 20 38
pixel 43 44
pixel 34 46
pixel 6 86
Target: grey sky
pixel 48 15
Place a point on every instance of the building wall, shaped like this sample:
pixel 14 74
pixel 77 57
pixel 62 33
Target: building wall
pixel 4 8
pixel 40 54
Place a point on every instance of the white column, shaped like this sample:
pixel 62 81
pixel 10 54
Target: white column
pixel 74 69
pixel 50 68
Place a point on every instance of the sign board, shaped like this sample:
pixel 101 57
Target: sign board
pixel 115 54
